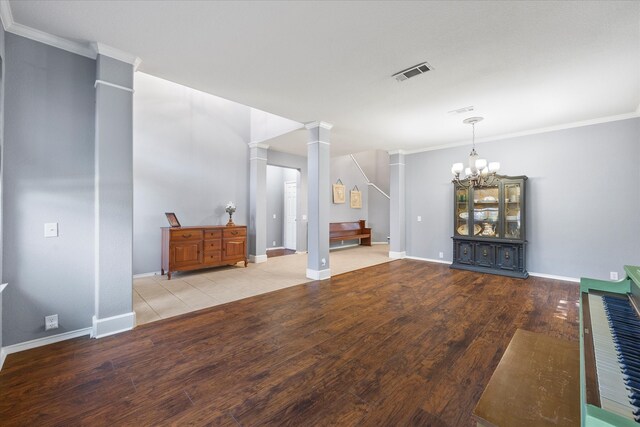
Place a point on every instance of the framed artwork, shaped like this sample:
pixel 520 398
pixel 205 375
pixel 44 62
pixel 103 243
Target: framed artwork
pixel 173 220
pixel 356 198
pixel 338 192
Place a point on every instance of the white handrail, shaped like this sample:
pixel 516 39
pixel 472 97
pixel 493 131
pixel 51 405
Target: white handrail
pixel 367 179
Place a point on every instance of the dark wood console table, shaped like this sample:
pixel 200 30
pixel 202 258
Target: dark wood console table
pixel 193 248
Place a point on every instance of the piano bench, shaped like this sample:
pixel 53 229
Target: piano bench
pixel 536 383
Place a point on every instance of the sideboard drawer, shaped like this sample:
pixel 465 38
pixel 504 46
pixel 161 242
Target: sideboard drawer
pixel 212 245
pixel 183 235
pixel 485 255
pixel 213 257
pixel 213 234
pixel 234 232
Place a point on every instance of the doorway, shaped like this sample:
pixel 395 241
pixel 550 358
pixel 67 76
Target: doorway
pixel 290 203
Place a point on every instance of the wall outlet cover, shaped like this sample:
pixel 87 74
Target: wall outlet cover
pixel 50 322
pixel 274 216
pixel 419 218
pixel 441 255
pixel 274 243
pixel 613 275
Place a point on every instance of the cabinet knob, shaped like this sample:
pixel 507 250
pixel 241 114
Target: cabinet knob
pixel 485 253
pixel 507 255
pixel 465 251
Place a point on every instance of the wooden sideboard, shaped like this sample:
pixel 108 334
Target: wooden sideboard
pixel 193 248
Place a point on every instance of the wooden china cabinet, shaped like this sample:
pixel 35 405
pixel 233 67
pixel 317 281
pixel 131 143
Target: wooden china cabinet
pixel 489 226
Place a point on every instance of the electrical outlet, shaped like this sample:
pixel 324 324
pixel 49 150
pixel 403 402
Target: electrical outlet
pixel 50 322
pixel 613 275
pixel 304 217
pixel 441 255
pixel 419 218
pixel 274 216
pixel 323 261
pixel 274 243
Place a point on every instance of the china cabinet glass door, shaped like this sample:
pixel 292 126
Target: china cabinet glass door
pixel 462 212
pixel 486 211
pixel 512 210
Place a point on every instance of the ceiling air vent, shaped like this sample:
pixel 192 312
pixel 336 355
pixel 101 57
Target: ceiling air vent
pixel 461 110
pixel 416 70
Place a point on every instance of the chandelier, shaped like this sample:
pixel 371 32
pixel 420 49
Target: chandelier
pixel 479 173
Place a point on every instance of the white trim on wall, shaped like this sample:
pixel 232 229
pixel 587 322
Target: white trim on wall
pixel 89 50
pixel 257 259
pixel 319 124
pixel 318 274
pixel 39 342
pixel 599 120
pixel 397 255
pixel 150 274
pixel 354 245
pixel 102 82
pixel 553 276
pixel 439 261
pixel 113 325
pixel 543 275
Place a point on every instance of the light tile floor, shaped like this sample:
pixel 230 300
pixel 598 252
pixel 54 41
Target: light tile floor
pixel 156 298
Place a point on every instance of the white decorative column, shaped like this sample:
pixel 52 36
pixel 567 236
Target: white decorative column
pixel 113 194
pixel 319 194
pixel 397 243
pixel 258 202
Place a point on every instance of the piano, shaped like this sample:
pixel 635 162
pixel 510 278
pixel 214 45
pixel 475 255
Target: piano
pixel 610 351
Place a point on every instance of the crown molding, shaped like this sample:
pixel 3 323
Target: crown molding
pixel 5 14
pixel 316 124
pixel 258 145
pixel 89 50
pixel 392 152
pixel 582 123
pixel 112 52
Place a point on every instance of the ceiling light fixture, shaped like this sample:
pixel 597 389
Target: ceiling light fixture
pixel 479 173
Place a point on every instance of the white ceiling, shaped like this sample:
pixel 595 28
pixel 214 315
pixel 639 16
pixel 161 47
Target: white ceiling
pixel 523 65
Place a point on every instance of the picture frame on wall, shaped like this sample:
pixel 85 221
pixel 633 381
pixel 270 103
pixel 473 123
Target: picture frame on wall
pixel 338 192
pixel 173 219
pixel 356 198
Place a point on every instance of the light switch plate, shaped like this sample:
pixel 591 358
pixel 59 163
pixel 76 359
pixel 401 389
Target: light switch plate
pixel 51 229
pixel 304 217
pixel 419 218
pixel 274 216
pixel 613 275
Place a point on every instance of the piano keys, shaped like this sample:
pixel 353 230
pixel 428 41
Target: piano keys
pixel 610 351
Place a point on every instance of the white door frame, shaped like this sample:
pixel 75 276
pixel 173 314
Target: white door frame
pixel 285 217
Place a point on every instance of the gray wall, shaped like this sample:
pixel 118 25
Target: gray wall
pixel 48 177
pixel 582 205
pixel 343 168
pixel 291 161
pixel 190 156
pixel 276 177
pixel 375 164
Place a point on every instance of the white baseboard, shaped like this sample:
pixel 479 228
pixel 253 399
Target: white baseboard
pixel 439 261
pixel 274 248
pixel 113 325
pixel 301 252
pixel 318 274
pixel 543 275
pixel 39 342
pixel 141 275
pixel 397 255
pixel 355 245
pixel 379 243
pixel 553 276
pixel 257 259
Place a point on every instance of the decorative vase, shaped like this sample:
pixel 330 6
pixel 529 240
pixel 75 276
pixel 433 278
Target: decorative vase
pixel 230 223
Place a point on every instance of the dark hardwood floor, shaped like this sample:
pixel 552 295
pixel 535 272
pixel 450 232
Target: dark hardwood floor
pixel 279 252
pixel 401 343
